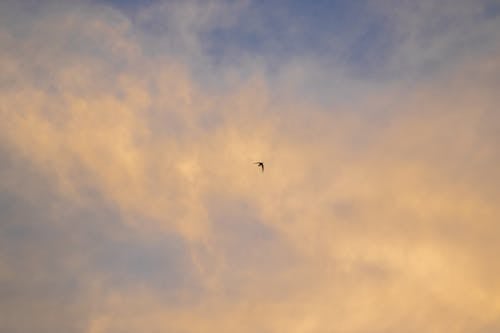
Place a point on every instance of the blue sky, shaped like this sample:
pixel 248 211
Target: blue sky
pixel 358 36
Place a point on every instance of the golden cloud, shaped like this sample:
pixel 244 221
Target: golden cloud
pixel 375 221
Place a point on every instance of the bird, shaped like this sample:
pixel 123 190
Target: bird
pixel 261 165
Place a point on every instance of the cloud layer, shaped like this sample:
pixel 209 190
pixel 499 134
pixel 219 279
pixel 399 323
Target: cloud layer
pixel 129 201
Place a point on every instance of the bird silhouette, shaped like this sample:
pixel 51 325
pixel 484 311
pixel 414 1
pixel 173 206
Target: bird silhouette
pixel 261 165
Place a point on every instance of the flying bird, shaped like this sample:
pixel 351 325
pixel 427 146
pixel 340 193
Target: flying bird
pixel 261 165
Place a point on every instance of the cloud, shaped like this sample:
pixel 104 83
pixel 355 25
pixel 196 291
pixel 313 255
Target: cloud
pixel 130 202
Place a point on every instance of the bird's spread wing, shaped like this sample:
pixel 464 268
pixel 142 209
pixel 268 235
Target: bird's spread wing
pixel 260 164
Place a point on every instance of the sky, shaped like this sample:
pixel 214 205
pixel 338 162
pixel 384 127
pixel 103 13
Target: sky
pixel 129 201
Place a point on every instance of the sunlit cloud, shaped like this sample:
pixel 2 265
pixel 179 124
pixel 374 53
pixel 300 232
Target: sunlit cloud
pixel 129 198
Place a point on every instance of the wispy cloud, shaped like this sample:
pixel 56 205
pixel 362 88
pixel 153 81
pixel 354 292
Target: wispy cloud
pixel 129 201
